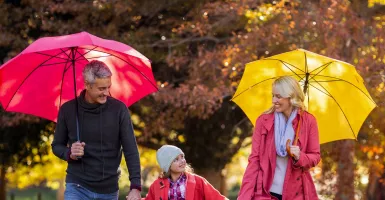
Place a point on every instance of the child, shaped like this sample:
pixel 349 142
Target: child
pixel 177 181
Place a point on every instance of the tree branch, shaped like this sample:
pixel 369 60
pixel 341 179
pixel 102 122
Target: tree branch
pixel 174 42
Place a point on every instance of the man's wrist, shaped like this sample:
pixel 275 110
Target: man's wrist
pixel 137 187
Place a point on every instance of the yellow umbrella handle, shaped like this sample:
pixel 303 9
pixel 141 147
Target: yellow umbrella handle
pixel 295 138
pixel 288 148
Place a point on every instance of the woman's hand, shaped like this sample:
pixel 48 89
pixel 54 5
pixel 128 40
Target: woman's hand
pixel 295 151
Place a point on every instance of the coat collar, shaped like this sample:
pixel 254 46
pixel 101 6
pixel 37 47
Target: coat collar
pixel 164 186
pixel 268 119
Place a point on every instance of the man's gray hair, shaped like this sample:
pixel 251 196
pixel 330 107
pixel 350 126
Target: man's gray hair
pixel 95 69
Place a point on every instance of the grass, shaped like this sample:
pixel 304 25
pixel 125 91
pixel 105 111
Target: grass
pixel 32 194
pixel 46 194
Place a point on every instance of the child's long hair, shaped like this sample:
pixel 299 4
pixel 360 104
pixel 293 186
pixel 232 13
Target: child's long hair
pixel 188 169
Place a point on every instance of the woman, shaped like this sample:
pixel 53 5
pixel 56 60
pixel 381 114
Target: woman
pixel 177 181
pixel 272 173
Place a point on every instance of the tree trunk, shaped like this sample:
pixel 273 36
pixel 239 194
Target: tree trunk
pixel 216 178
pixel 2 183
pixel 376 187
pixel 345 170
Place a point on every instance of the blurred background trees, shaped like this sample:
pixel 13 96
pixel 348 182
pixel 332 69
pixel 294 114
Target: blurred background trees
pixel 198 50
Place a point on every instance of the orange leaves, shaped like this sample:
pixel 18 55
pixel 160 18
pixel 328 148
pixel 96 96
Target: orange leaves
pixel 372 150
pixel 292 24
pixel 196 101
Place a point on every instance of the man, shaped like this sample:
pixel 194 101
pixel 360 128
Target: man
pixel 105 127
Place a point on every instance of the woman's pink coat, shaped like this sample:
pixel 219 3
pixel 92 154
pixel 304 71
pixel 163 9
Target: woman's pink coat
pixel 298 183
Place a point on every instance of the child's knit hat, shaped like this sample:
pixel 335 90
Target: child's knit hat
pixel 166 155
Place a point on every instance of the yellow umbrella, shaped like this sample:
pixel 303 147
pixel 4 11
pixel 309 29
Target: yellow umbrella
pixel 335 92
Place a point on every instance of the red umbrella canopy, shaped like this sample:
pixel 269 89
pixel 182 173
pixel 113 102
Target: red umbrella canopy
pixel 44 76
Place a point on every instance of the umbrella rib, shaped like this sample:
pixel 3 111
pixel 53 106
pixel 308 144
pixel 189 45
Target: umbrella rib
pixel 50 55
pixel 331 96
pixel 256 85
pixel 326 93
pixel 342 80
pixel 29 74
pixel 69 58
pixel 54 63
pixel 284 63
pixel 292 70
pixel 82 55
pixel 132 67
pixel 84 58
pixel 251 87
pixel 324 65
pixel 56 57
pixel 69 67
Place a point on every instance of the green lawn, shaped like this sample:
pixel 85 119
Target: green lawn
pixel 46 194
pixel 32 194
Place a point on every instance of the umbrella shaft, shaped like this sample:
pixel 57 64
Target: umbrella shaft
pixel 75 95
pixel 306 84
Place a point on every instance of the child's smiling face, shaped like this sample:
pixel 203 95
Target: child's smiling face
pixel 178 165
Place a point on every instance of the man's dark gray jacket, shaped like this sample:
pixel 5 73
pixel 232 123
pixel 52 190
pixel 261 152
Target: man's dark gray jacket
pixel 105 129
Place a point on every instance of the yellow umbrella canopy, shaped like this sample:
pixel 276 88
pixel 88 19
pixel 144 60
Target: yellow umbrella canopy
pixel 334 92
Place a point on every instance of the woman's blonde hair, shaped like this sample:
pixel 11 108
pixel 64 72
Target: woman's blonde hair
pixel 188 169
pixel 288 87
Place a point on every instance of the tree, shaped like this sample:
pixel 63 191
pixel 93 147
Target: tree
pixel 297 25
pixel 19 137
pixel 199 49
pixel 147 28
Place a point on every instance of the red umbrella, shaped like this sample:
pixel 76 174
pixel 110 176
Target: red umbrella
pixel 48 73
